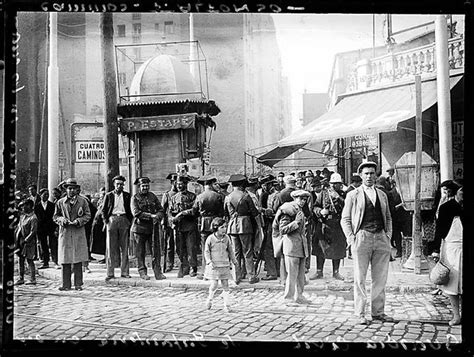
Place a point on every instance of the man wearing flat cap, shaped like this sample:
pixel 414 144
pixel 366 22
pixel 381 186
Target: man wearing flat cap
pixel 147 213
pixel 207 206
pixel 294 245
pixel 117 217
pixel 72 213
pixel 279 178
pixel 169 236
pixel 367 225
pixel 186 227
pixel 241 209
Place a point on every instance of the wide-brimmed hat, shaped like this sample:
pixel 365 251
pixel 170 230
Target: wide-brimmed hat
pixel 142 180
pixel 183 178
pixel 335 178
pixel 299 193
pixel 172 176
pixel 70 182
pixel 237 178
pixel 266 178
pixel 367 164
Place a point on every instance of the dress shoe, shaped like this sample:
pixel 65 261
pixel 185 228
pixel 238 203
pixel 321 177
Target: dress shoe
pixel 362 321
pixel 125 276
pixel 168 269
pixel 383 318
pixel 254 280
pixel 44 266
pixel 303 301
pixel 317 275
pixel 160 277
pixel 392 258
pixel 20 282
pixel 62 288
pixel 270 277
pixel 186 271
pixel 337 276
pixel 237 281
pixel 108 278
pixel 144 277
pixel 78 287
pixel 31 282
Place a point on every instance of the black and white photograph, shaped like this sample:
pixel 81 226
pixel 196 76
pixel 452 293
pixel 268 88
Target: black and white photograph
pixel 233 177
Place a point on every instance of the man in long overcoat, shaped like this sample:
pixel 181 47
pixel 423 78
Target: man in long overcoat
pixel 71 215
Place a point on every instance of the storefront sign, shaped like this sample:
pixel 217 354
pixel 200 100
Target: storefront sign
pixel 90 151
pixel 364 140
pixel 163 122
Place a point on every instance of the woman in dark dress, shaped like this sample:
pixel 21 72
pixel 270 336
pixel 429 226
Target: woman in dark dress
pixel 98 235
pixel 447 247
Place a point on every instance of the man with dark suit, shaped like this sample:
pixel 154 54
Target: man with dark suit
pixel 169 232
pixel 117 217
pixel 367 225
pixel 44 211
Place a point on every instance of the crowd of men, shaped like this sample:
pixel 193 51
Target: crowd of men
pixel 175 228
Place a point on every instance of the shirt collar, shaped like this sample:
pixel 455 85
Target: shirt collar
pixel 368 188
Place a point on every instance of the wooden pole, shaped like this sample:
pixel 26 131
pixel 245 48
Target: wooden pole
pixel 110 91
pixel 418 157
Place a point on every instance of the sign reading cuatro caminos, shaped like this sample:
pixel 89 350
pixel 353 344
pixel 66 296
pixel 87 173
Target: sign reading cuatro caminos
pixel 162 122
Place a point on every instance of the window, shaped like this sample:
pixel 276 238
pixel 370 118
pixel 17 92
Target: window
pixel 136 16
pixel 137 29
pixel 121 30
pixel 157 28
pixel 169 27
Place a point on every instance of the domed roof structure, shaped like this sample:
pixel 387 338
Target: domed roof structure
pixel 164 78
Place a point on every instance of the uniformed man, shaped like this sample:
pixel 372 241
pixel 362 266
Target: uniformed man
pixel 241 209
pixel 221 188
pixel 186 227
pixel 169 236
pixel 147 213
pixel 267 212
pixel 208 205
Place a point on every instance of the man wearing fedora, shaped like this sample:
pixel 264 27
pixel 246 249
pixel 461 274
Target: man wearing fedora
pixel 367 225
pixel 169 234
pixel 71 214
pixel 147 213
pixel 117 217
pixel 186 227
pixel 208 205
pixel 240 209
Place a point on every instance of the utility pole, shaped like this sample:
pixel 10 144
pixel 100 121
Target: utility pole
pixel 53 104
pixel 444 100
pixel 418 162
pixel 110 91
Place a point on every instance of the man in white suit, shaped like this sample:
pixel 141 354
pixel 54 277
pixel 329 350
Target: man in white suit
pixel 367 225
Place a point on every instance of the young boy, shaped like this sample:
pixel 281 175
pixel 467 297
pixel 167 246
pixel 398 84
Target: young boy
pixel 25 235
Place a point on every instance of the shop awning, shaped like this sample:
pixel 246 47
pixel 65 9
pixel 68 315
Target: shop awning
pixel 370 112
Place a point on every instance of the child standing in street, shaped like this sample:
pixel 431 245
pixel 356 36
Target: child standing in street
pixel 25 236
pixel 219 253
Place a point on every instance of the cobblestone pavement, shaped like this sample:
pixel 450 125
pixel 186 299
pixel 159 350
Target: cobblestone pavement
pixel 164 313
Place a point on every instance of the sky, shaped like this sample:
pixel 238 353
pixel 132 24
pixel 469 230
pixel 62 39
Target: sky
pixel 309 42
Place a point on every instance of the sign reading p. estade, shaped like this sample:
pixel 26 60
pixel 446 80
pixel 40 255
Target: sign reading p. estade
pixel 90 151
pixel 162 122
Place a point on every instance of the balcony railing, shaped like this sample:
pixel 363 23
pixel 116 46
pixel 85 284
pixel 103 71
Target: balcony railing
pixel 398 66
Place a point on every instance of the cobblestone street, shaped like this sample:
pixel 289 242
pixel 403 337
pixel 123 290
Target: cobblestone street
pixel 115 312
